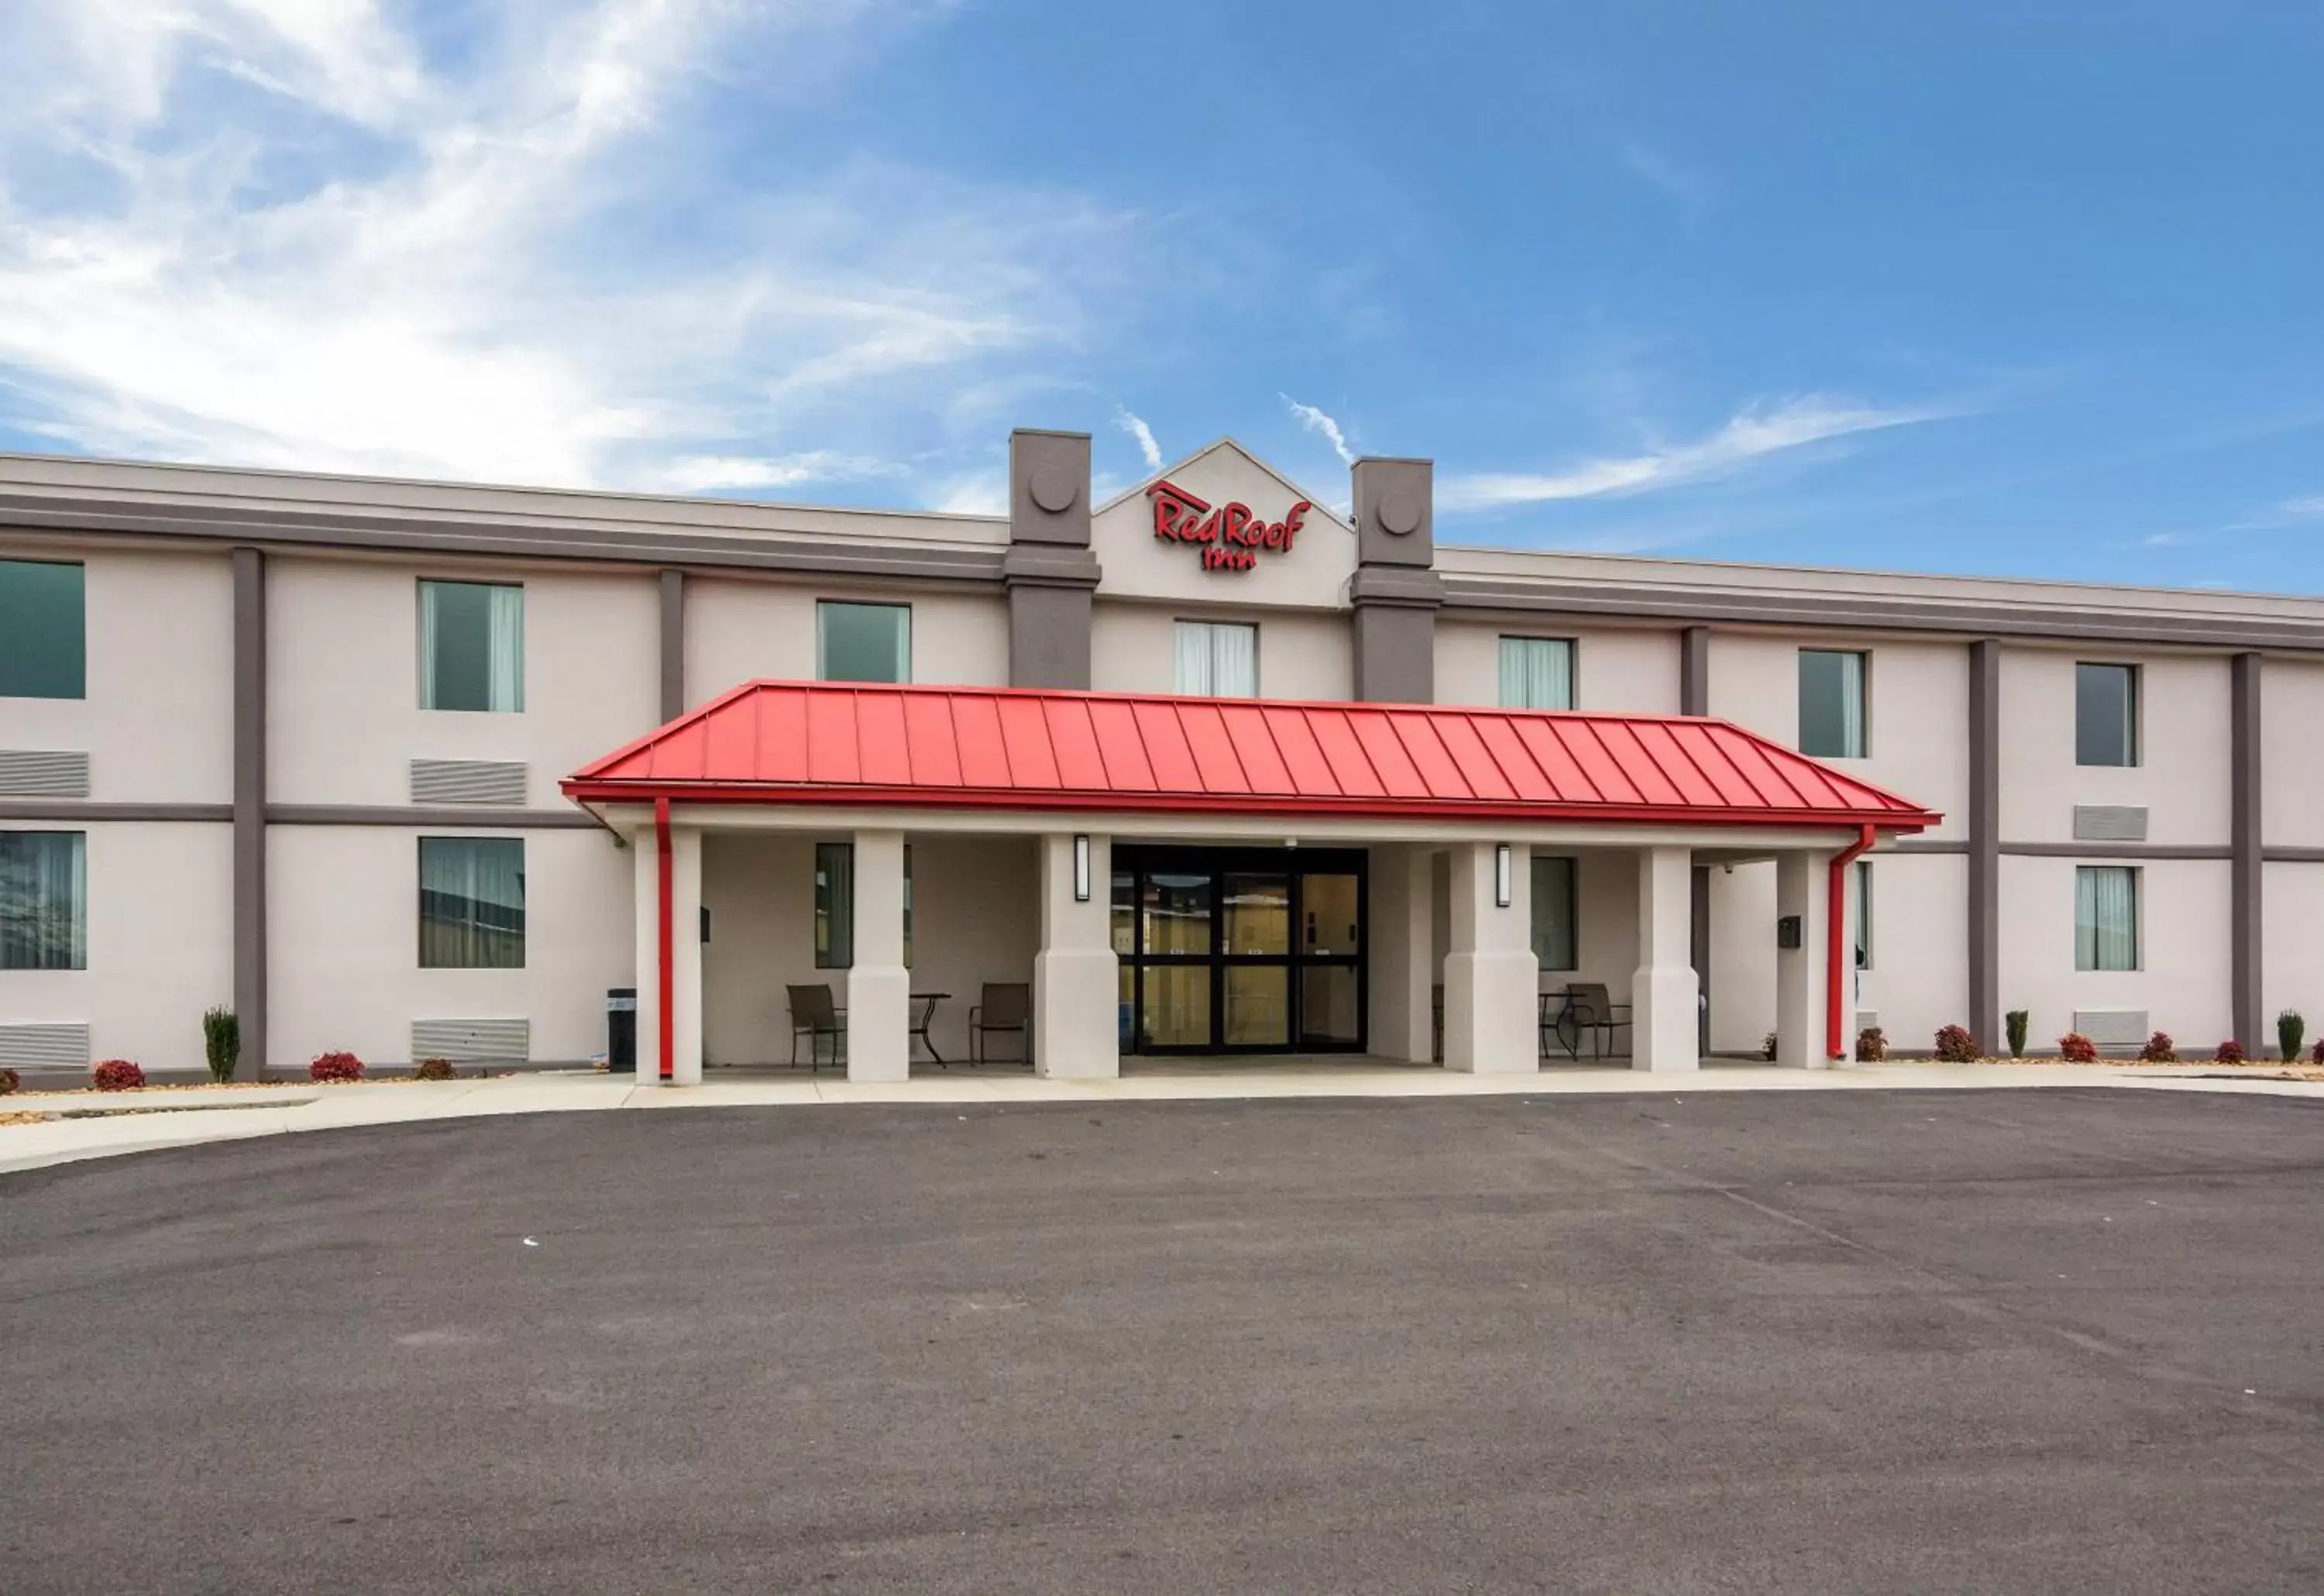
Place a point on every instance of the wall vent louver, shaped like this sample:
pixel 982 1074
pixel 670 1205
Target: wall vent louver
pixel 2110 823
pixel 2112 1028
pixel 472 1041
pixel 468 781
pixel 44 1047
pixel 40 772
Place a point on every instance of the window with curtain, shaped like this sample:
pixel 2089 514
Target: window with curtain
pixel 1537 673
pixel 43 629
pixel 1832 704
pixel 472 646
pixel 1217 659
pixel 2106 715
pixel 863 642
pixel 2105 917
pixel 1556 915
pixel 1862 911
pixel 835 906
pixel 43 901
pixel 471 903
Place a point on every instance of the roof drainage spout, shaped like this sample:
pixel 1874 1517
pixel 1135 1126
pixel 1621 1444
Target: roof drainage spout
pixel 1835 919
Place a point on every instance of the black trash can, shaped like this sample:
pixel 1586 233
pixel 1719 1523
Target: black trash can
pixel 621 1031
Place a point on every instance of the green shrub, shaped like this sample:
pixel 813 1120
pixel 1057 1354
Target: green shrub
pixel 2289 1029
pixel 2017 1022
pixel 221 1042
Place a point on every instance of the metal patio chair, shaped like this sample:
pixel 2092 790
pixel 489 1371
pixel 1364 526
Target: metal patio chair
pixel 1008 1007
pixel 1591 1012
pixel 815 1016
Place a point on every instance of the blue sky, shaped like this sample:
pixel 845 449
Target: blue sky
pixel 2012 289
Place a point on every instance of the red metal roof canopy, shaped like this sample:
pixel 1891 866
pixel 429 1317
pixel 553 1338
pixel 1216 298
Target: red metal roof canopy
pixel 996 748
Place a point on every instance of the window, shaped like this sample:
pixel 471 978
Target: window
pixel 471 903
pixel 1556 921
pixel 2106 715
pixel 472 646
pixel 1832 704
pixel 1217 659
pixel 2105 917
pixel 835 906
pixel 43 901
pixel 1537 673
pixel 863 642
pixel 1862 911
pixel 43 629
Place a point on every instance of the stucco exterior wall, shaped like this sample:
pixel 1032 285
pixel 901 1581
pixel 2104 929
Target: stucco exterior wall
pixel 975 917
pixel 343 720
pixel 2184 771
pixel 2293 904
pixel 2291 767
pixel 1918 978
pixel 160 943
pixel 738 631
pixel 2183 950
pixel 157 721
pixel 1632 670
pixel 344 907
pixel 1301 654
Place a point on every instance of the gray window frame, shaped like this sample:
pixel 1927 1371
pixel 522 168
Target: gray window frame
pixel 2133 718
pixel 823 609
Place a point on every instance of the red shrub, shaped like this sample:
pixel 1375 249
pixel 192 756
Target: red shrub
pixel 2077 1049
pixel 2230 1052
pixel 1956 1046
pixel 2316 1054
pixel 1871 1045
pixel 336 1067
pixel 432 1069
pixel 2160 1049
pixel 9 1080
pixel 116 1074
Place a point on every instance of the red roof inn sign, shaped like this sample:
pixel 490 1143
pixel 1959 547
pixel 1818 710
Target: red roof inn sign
pixel 1230 535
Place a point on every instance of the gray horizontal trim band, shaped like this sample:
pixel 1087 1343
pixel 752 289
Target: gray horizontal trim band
pixel 2085 850
pixel 816 556
pixel 478 818
pixel 67 809
pixel 2051 621
pixel 2291 855
pixel 1060 564
pixel 1405 587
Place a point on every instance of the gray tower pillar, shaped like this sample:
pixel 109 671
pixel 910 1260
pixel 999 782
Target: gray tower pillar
pixel 1396 591
pixel 1050 571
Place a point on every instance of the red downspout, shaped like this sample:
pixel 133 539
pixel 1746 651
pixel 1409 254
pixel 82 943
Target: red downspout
pixel 665 1021
pixel 1835 916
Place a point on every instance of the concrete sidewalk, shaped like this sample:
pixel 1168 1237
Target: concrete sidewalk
pixel 165 1118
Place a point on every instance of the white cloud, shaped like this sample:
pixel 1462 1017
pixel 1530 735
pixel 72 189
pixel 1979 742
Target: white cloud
pixel 1746 436
pixel 2302 508
pixel 280 233
pixel 1315 420
pixel 978 493
pixel 1135 425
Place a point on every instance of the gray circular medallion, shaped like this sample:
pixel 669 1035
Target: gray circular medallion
pixel 1054 489
pixel 1399 512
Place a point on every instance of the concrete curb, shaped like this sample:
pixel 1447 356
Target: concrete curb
pixel 308 1109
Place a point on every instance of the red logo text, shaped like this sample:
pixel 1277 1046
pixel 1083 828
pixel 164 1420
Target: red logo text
pixel 1230 535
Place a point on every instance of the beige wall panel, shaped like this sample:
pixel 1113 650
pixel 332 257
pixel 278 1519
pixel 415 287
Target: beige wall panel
pixel 740 631
pixel 2182 983
pixel 2185 769
pixel 1619 669
pixel 1132 650
pixel 2292 752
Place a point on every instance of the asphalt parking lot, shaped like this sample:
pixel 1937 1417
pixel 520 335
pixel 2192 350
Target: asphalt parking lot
pixel 1863 1341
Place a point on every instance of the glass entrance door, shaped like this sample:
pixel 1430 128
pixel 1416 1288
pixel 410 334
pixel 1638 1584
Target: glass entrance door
pixel 1240 950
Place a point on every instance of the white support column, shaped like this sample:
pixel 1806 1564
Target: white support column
pixel 1076 977
pixel 879 987
pixel 1664 1032
pixel 1800 891
pixel 1491 1009
pixel 686 948
pixel 1402 953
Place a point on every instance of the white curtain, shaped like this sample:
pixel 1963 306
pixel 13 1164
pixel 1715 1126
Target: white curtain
pixel 1216 660
pixel 1852 705
pixel 505 642
pixel 2106 918
pixel 471 903
pixel 43 901
pixel 1537 673
pixel 430 636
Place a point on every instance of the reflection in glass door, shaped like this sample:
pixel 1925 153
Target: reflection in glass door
pixel 1240 950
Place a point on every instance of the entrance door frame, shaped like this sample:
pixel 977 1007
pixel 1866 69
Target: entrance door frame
pixel 1139 860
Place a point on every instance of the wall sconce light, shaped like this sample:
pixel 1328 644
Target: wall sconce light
pixel 1502 883
pixel 1081 870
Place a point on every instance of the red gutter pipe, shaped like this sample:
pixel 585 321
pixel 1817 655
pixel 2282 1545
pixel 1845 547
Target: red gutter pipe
pixel 1835 916
pixel 666 956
